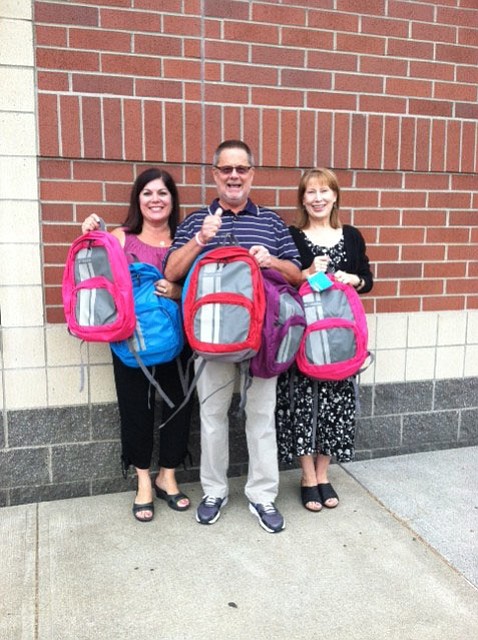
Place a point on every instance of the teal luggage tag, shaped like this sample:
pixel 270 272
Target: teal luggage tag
pixel 319 281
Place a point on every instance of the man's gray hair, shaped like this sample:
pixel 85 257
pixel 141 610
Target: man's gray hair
pixel 233 144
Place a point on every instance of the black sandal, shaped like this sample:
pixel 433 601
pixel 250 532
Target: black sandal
pixel 172 499
pixel 326 492
pixel 148 506
pixel 310 494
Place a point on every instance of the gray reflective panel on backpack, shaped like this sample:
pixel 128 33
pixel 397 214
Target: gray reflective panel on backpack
pixel 330 303
pixel 137 341
pixel 94 307
pixel 313 307
pixel 290 343
pixel 92 262
pixel 234 277
pixel 331 345
pixel 221 323
pixel 336 305
pixel 288 308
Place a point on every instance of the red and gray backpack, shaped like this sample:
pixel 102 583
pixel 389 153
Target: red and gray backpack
pixel 224 308
pixel 96 289
pixel 334 345
pixel 283 328
pixel 224 305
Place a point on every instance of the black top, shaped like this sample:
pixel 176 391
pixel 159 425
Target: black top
pixel 355 249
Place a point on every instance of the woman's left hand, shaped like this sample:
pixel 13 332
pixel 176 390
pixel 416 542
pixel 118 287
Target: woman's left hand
pixel 347 278
pixel 167 289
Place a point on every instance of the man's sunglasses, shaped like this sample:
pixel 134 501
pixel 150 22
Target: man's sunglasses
pixel 227 170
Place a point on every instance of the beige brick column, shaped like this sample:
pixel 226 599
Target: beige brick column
pixel 21 292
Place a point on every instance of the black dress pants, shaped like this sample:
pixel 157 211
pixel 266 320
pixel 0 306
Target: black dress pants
pixel 136 402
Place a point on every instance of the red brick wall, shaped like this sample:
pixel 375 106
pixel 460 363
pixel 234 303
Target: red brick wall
pixel 387 97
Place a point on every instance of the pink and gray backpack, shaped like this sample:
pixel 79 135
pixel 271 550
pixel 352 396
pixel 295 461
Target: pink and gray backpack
pixel 334 345
pixel 97 290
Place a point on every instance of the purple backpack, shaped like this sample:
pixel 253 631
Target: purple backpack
pixel 283 328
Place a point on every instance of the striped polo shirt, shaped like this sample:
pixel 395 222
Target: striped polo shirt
pixel 253 226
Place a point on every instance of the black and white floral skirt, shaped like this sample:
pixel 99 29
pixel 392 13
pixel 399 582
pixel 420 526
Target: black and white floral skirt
pixel 335 430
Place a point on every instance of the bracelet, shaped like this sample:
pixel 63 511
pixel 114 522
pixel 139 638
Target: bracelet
pixel 360 285
pixel 196 237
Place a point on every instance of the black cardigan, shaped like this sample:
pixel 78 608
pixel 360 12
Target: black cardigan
pixel 357 260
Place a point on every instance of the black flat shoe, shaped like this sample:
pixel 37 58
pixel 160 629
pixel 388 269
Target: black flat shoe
pixel 172 499
pixel 310 494
pixel 327 492
pixel 137 508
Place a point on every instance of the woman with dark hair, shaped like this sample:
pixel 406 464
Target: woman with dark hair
pixel 134 219
pixel 324 244
pixel 146 235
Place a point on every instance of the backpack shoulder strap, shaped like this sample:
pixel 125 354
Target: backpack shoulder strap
pixel 152 380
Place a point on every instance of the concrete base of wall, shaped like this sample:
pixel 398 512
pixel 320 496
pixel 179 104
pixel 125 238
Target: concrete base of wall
pixel 49 454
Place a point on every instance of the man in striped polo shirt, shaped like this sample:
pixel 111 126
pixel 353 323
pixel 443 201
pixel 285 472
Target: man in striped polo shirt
pixel 267 238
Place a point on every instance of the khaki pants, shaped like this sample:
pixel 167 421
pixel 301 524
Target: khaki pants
pixel 263 472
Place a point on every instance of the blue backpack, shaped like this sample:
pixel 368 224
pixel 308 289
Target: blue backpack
pixel 158 335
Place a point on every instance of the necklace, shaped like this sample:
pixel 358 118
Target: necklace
pixel 152 239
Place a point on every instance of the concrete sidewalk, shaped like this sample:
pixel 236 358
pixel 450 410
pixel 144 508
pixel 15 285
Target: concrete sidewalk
pixel 395 561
